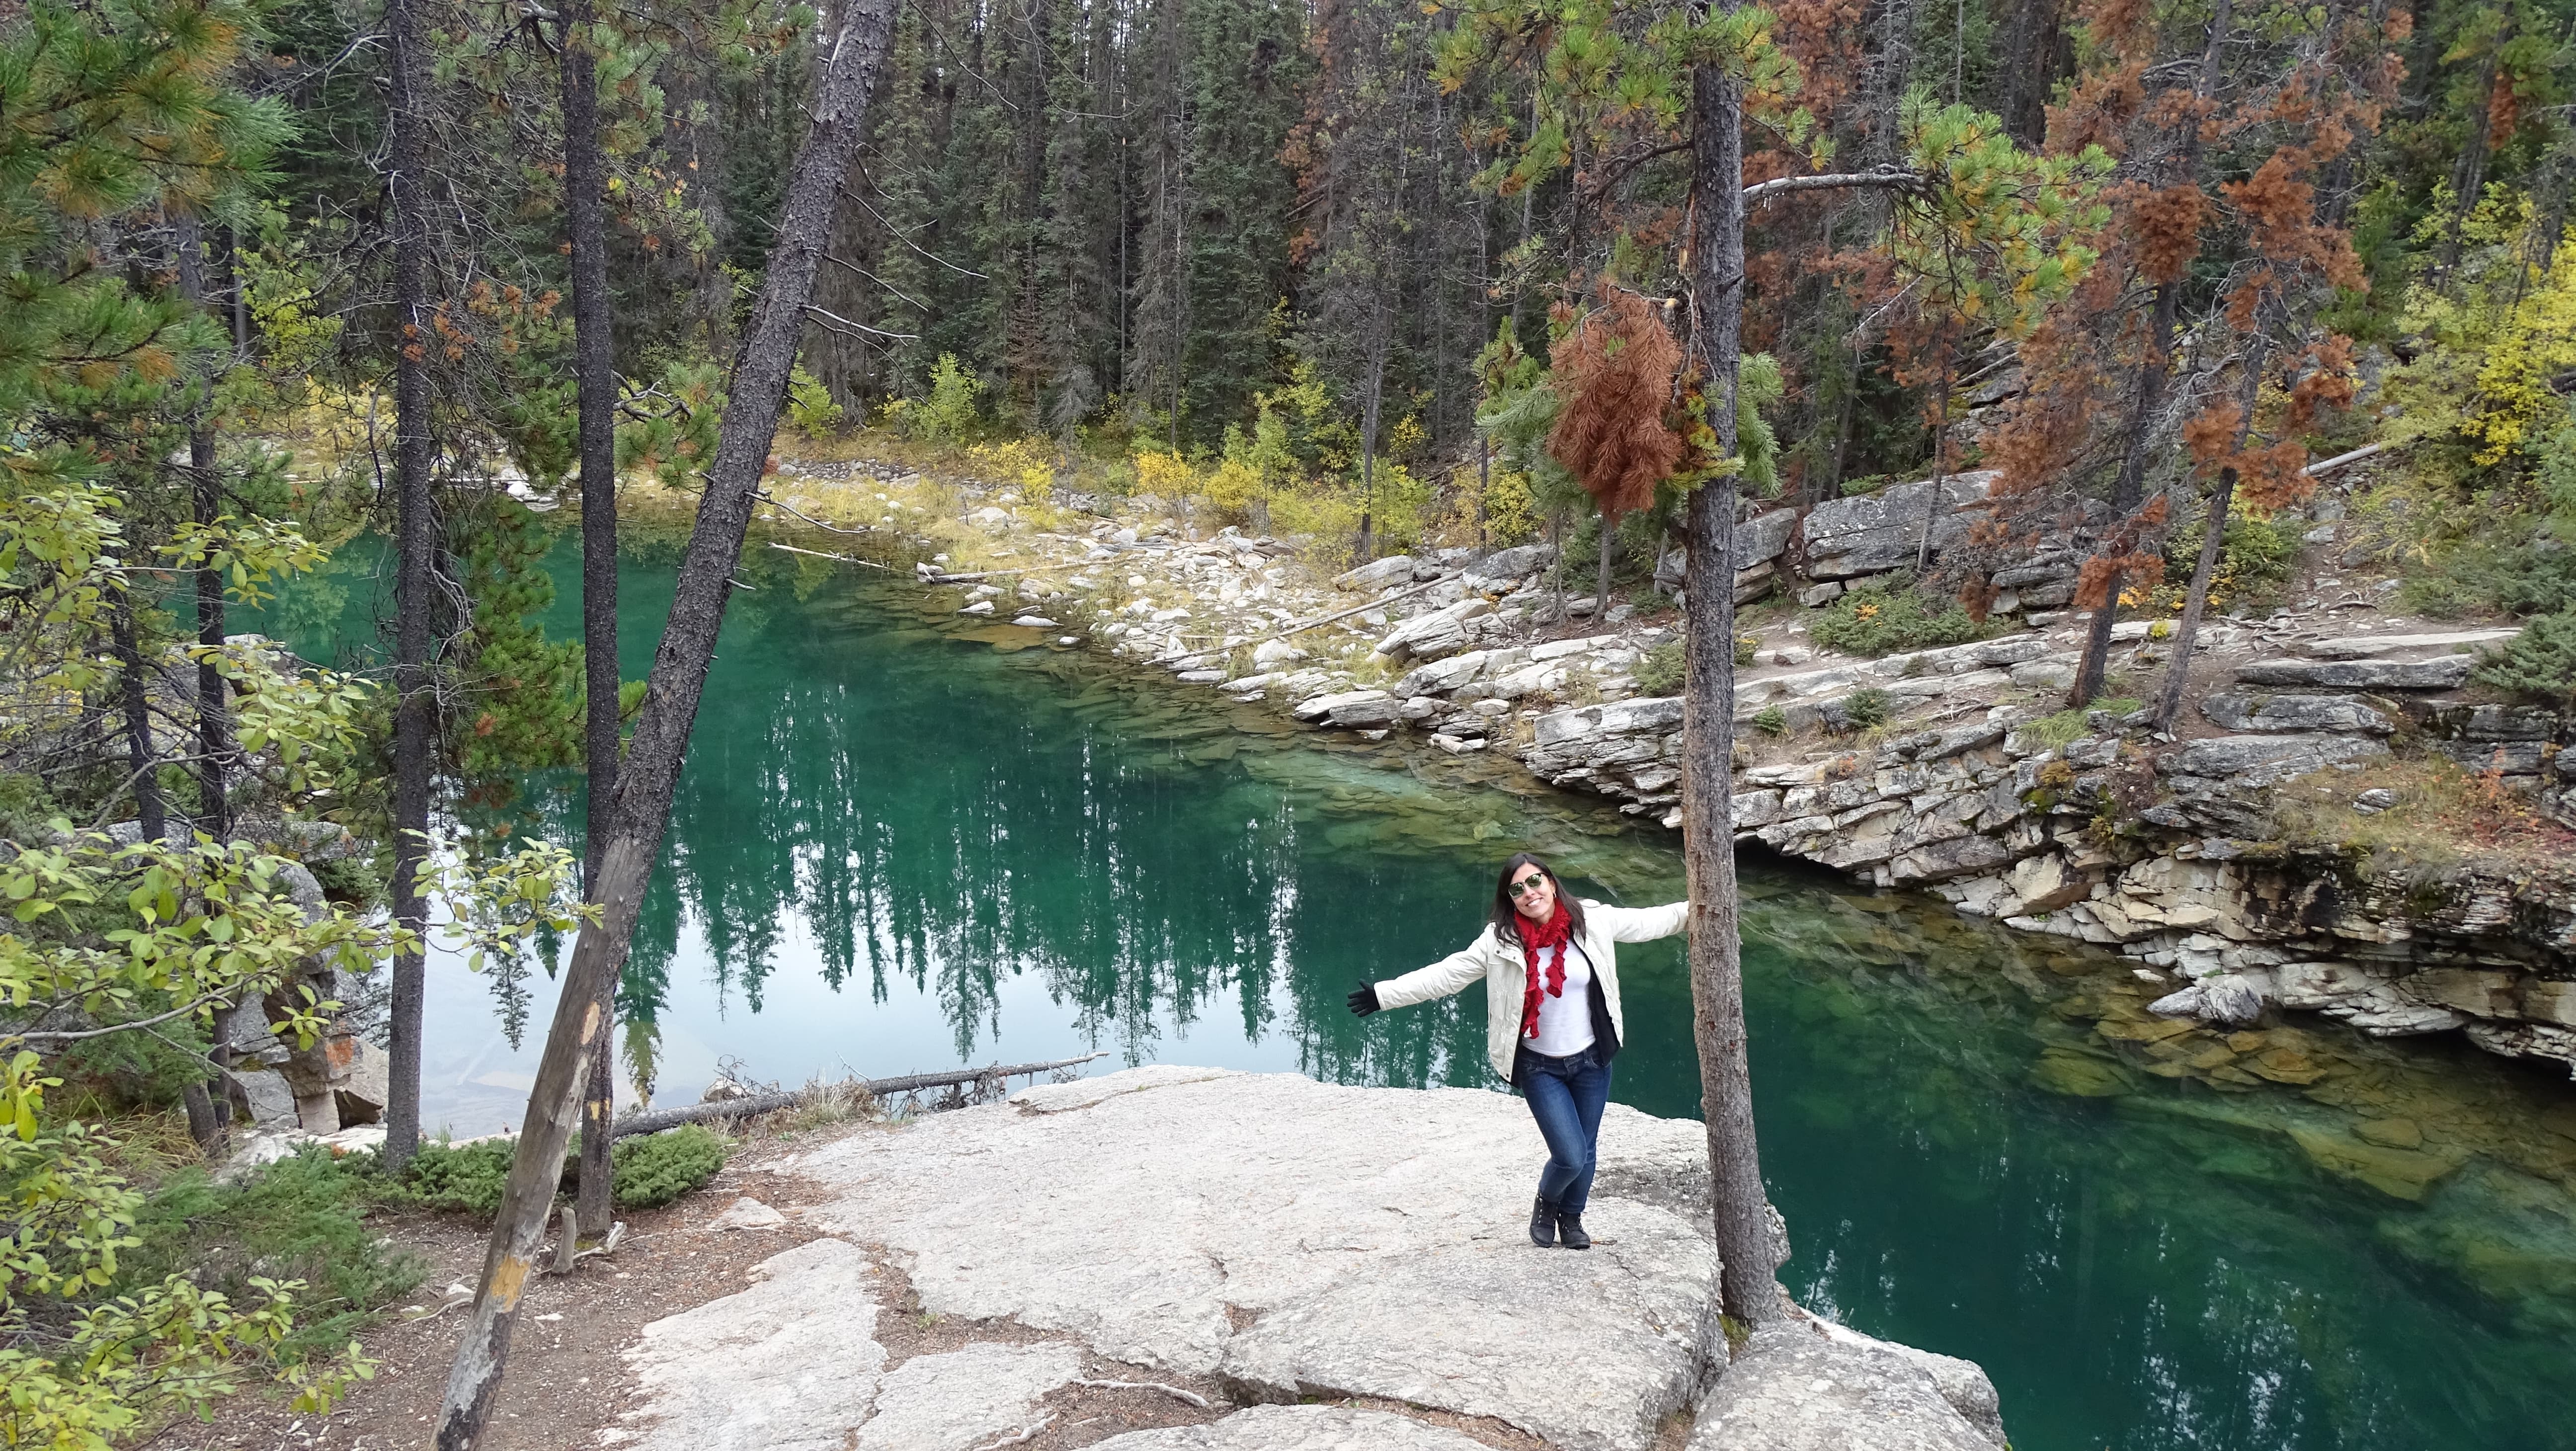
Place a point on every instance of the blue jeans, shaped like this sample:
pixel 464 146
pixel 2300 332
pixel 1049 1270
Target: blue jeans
pixel 1566 1096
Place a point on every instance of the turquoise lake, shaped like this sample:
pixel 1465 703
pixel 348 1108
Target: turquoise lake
pixel 903 842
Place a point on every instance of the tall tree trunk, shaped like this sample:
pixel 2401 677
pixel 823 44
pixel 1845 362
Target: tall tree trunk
pixel 594 366
pixel 415 540
pixel 1739 1206
pixel 2152 377
pixel 132 691
pixel 2212 540
pixel 758 389
pixel 205 493
pixel 1601 573
pixel 1940 449
pixel 2469 172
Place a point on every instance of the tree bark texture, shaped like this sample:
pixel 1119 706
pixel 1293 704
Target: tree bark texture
pixel 1738 1202
pixel 1940 452
pixel 138 715
pixel 205 492
pixel 594 365
pixel 672 692
pixel 415 540
pixel 2212 541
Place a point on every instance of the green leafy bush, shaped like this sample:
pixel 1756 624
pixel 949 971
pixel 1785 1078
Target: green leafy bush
pixel 654 1169
pixel 1746 646
pixel 1661 670
pixel 1771 721
pixel 2257 555
pixel 463 1177
pixel 810 406
pixel 2476 576
pixel 650 1170
pixel 300 1218
pixel 947 414
pixel 1866 708
pixel 2539 663
pixel 1885 616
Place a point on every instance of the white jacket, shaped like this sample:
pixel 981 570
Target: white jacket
pixel 1506 972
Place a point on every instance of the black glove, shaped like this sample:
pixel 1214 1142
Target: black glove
pixel 1363 1000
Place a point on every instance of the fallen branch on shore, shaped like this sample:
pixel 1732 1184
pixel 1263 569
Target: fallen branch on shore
pixel 819 554
pixel 655 1120
pixel 1383 600
pixel 936 577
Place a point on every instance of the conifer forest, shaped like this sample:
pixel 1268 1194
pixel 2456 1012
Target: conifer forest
pixel 284 282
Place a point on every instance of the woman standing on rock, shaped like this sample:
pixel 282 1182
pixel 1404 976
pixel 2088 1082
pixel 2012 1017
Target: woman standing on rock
pixel 1552 1018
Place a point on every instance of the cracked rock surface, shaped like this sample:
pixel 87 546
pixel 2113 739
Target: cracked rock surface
pixel 1295 1238
pixel 789 1364
pixel 1806 1387
pixel 1299 1428
pixel 1276 1242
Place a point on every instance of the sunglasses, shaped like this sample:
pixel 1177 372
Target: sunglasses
pixel 1527 886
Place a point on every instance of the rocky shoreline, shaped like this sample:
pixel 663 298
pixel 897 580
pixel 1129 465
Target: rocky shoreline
pixel 1951 770
pixel 1336 1266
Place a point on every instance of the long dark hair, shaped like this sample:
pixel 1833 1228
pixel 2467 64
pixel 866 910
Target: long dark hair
pixel 1506 918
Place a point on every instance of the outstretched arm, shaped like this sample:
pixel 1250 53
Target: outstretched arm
pixel 1641 924
pixel 1450 974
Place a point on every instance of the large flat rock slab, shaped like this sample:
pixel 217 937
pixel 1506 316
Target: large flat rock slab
pixel 1809 1387
pixel 1303 1239
pixel 2448 672
pixel 1299 1428
pixel 790 1364
pixel 967 1398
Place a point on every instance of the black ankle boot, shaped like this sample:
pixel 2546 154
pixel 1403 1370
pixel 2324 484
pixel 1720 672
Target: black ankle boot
pixel 1569 1230
pixel 1543 1224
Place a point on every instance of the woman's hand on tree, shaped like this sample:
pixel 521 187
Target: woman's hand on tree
pixel 1363 1000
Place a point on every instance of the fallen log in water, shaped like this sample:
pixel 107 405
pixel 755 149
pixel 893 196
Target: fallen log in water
pixel 655 1120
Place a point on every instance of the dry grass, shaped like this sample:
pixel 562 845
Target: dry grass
pixel 2444 816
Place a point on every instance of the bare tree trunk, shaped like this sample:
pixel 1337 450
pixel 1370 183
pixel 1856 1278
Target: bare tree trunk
pixel 205 492
pixel 2469 173
pixel 2152 377
pixel 1738 1203
pixel 758 389
pixel 414 543
pixel 2213 539
pixel 1940 449
pixel 2129 486
pixel 138 715
pixel 1601 575
pixel 594 364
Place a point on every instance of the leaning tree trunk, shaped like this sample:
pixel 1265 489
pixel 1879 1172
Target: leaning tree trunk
pixel 585 190
pixel 205 491
pixel 1738 1203
pixel 2152 377
pixel 757 390
pixel 2130 486
pixel 2212 540
pixel 414 542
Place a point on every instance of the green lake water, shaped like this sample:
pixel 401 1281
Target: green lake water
pixel 903 842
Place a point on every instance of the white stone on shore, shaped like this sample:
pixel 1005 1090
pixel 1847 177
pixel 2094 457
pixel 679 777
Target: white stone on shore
pixel 747 1213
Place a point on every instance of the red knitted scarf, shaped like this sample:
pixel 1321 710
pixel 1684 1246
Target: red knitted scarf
pixel 1536 937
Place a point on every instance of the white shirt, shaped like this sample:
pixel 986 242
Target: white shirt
pixel 1564 1023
